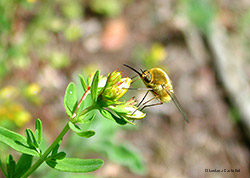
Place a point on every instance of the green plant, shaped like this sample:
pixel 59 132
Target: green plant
pixel 110 8
pixel 150 57
pixel 200 13
pixel 107 143
pixel 105 93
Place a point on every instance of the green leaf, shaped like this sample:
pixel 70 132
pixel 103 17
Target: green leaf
pixel 1 166
pixel 84 85
pixel 23 165
pixel 10 166
pixel 87 118
pixel 74 127
pixel 16 141
pixel 94 86
pixel 78 131
pixel 31 139
pixel 55 150
pixel 86 134
pixel 109 115
pixel 79 110
pixel 70 99
pixel 57 156
pixel 76 164
pixel 126 155
pixel 39 131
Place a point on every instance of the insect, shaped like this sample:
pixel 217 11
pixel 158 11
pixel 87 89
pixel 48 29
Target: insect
pixel 158 82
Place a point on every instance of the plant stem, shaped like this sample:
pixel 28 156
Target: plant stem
pixel 59 137
pixel 47 152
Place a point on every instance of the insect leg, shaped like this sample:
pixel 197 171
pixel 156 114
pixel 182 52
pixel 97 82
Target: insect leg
pixel 149 105
pixel 141 102
pixel 143 98
pixel 150 100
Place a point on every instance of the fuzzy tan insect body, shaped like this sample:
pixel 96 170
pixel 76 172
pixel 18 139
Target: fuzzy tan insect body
pixel 160 85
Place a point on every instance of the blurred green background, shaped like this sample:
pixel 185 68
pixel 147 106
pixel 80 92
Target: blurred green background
pixel 202 44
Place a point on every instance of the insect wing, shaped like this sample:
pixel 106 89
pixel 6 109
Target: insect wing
pixel 178 105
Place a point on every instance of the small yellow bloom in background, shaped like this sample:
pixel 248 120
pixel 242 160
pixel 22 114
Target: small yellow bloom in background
pixel 8 92
pixel 31 92
pixel 31 1
pixel 32 89
pixel 22 117
pixel 158 53
pixel 15 113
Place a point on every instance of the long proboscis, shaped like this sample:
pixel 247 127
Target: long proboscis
pixel 136 71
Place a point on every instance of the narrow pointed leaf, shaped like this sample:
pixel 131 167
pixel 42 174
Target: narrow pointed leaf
pixel 74 127
pixel 84 85
pixel 39 131
pixel 80 109
pixel 23 165
pixel 87 119
pixel 31 139
pixel 86 134
pixel 76 165
pixel 107 114
pixel 78 131
pixel 55 150
pixel 94 86
pixel 16 141
pixel 70 99
pixel 125 119
pixel 10 166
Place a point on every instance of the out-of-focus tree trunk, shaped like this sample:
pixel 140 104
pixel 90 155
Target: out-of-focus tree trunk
pixel 230 67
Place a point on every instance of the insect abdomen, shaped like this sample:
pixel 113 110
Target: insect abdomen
pixel 161 93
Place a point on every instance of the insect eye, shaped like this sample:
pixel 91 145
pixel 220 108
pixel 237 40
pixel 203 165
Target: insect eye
pixel 147 77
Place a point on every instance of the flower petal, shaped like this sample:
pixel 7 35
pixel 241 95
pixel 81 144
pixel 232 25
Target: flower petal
pixel 134 113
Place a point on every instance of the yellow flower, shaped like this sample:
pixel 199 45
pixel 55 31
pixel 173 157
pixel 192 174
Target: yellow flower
pixel 116 86
pixel 33 89
pixel 113 88
pixel 14 112
pixel 8 92
pixel 129 112
pixel 158 52
pixel 31 1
